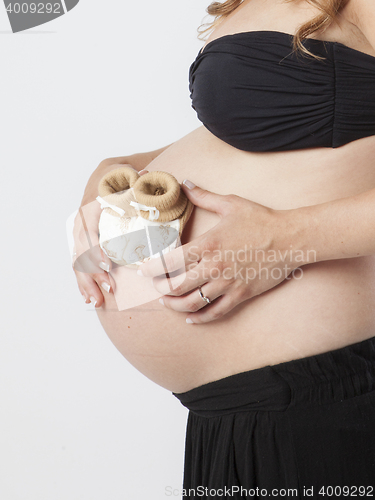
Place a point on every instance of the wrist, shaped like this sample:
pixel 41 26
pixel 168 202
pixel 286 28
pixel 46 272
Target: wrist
pixel 297 226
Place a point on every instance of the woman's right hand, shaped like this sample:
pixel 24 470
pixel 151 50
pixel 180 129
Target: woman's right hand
pixel 90 264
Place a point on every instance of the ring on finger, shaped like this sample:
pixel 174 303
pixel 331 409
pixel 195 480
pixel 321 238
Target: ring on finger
pixel 206 299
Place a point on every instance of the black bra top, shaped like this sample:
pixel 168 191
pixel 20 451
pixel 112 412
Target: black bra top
pixel 252 91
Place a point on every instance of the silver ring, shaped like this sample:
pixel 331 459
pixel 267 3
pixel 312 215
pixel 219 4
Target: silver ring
pixel 206 299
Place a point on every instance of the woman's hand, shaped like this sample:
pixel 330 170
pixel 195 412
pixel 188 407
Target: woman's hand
pixel 248 252
pixel 90 264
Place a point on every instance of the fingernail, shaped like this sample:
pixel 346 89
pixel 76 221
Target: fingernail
pixel 106 287
pixel 161 301
pixel 143 170
pixel 188 320
pixel 139 272
pixel 93 301
pixel 104 266
pixel 84 298
pixel 188 184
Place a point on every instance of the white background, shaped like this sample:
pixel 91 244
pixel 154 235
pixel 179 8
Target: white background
pixel 77 421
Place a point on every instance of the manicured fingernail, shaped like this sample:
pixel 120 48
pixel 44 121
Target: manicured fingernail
pixel 139 272
pixel 106 287
pixel 104 266
pixel 188 320
pixel 143 170
pixel 84 298
pixel 93 301
pixel 161 301
pixel 188 184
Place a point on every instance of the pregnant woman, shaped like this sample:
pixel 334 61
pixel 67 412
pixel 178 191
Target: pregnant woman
pixel 268 339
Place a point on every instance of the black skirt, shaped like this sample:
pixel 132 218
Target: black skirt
pixel 304 428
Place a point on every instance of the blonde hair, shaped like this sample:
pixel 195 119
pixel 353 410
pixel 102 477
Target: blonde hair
pixel 328 8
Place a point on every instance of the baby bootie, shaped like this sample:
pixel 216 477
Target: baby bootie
pixel 142 216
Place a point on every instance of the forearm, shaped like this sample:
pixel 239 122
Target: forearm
pixel 139 161
pixel 340 229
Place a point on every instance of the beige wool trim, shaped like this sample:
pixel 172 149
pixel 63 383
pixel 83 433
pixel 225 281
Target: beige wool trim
pixel 115 186
pixel 154 189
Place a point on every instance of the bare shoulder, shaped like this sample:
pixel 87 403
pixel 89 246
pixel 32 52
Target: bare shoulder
pixel 361 13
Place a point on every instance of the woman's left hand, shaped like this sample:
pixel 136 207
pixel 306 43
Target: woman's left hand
pixel 248 252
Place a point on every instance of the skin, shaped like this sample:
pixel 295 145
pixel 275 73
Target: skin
pixel 318 200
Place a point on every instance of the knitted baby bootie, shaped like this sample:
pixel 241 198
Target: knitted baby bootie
pixel 142 216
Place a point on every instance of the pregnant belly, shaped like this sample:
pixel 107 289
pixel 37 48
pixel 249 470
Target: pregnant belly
pixel 325 306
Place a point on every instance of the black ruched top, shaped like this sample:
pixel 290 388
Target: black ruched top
pixel 252 91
